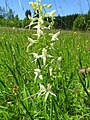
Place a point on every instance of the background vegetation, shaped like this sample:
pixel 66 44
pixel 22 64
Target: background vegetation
pixel 17 87
pixel 69 22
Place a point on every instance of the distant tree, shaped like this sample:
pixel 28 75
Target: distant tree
pixel 2 12
pixel 64 22
pixel 87 18
pixel 10 14
pixel 79 23
pixel 28 12
pixel 16 18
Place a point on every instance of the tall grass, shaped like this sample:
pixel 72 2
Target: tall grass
pixel 18 92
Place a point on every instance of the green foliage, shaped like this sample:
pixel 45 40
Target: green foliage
pixel 27 13
pixel 79 23
pixel 10 14
pixel 2 12
pixel 65 22
pixel 18 98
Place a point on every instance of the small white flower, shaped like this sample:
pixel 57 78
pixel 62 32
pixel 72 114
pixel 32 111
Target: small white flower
pixel 45 5
pixel 36 56
pixel 44 55
pixel 59 58
pixel 45 91
pixel 39 33
pixel 13 28
pixel 37 74
pixel 54 36
pixel 31 42
pixel 41 77
pixel 32 21
pixel 42 90
pixel 33 4
pixel 49 6
pixel 44 52
pixel 40 21
pixel 51 14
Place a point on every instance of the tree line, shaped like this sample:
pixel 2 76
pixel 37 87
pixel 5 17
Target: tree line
pixel 69 22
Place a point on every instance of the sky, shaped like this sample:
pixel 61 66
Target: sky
pixel 62 7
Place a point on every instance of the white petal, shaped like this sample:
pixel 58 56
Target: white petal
pixel 40 76
pixel 46 96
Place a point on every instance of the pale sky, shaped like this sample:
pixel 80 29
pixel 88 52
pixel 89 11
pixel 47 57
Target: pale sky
pixel 63 7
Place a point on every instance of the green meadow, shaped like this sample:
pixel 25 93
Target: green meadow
pixel 67 97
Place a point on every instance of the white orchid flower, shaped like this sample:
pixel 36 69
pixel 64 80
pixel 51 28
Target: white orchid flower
pixel 36 56
pixel 33 4
pixel 54 36
pixel 45 5
pixel 39 33
pixel 40 21
pixel 37 73
pixel 32 21
pixel 59 58
pixel 45 55
pixel 31 42
pixel 51 14
pixel 45 91
pixel 49 6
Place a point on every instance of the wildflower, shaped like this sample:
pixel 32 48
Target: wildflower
pixel 51 44
pixel 31 42
pixel 74 33
pixel 54 36
pixel 36 56
pixel 13 28
pixel 88 49
pixel 33 4
pixel 82 70
pixel 51 14
pixel 39 27
pixel 40 21
pixel 45 5
pixel 39 33
pixel 45 55
pixel 45 91
pixel 32 21
pixel 49 6
pixel 37 74
pixel 59 58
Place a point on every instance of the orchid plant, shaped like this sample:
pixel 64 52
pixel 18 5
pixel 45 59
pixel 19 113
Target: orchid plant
pixel 38 24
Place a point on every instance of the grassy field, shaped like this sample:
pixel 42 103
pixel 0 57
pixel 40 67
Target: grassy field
pixel 64 91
